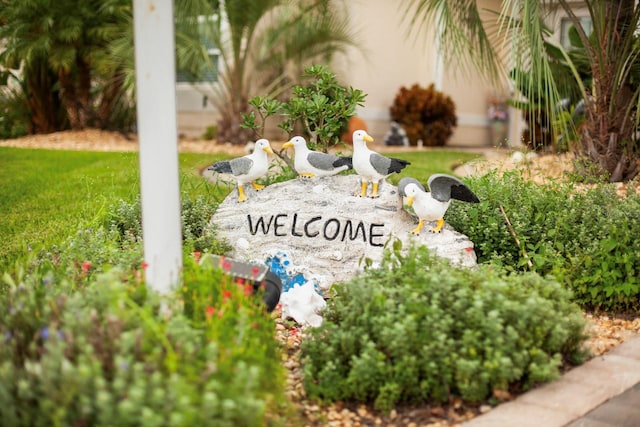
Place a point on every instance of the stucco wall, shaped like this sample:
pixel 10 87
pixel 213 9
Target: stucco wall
pixel 391 56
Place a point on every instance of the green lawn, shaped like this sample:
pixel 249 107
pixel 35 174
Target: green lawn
pixel 425 163
pixel 45 194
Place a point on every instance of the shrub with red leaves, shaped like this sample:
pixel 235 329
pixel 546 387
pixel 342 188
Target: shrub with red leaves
pixel 426 114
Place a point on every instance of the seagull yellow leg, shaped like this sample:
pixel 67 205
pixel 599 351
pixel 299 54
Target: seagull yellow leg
pixel 363 192
pixel 438 227
pixel 374 192
pixel 418 228
pixel 241 196
pixel 257 186
pixel 307 175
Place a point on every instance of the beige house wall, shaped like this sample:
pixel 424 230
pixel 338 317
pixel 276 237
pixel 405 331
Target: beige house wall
pixel 390 57
pixel 395 57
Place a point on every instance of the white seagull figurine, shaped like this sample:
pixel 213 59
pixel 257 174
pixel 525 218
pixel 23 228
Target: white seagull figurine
pixel 431 206
pixel 309 163
pixel 371 166
pixel 248 168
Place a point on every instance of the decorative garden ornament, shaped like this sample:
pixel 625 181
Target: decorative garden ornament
pixel 248 168
pixel 310 163
pixel 431 206
pixel 402 184
pixel 371 166
pixel 303 304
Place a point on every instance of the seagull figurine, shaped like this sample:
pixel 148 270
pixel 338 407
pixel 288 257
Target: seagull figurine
pixel 371 166
pixel 247 168
pixel 402 184
pixel 310 163
pixel 431 206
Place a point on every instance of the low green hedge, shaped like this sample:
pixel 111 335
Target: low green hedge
pixel 587 238
pixel 415 329
pixel 107 354
pixel 85 344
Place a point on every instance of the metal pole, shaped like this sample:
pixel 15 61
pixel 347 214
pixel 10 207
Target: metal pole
pixel 157 132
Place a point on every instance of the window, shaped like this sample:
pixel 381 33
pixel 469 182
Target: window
pixel 566 24
pixel 209 72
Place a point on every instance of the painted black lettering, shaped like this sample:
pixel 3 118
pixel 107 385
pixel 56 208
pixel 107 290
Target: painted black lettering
pixel 348 231
pixel 260 223
pixel 306 226
pixel 277 225
pixel 326 226
pixel 293 226
pixel 373 235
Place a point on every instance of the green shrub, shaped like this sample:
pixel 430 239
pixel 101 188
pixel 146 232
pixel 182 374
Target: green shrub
pixel 104 353
pixel 125 219
pixel 417 329
pixel 601 263
pixel 210 133
pixel 15 120
pixel 322 108
pixel 532 211
pixel 426 114
pixel 586 238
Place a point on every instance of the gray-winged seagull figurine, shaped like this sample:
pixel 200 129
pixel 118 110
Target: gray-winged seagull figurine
pixel 248 168
pixel 309 163
pixel 371 166
pixel 431 206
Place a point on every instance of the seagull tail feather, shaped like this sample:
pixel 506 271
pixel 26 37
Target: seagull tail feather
pixel 343 161
pixel 464 194
pixel 222 166
pixel 397 165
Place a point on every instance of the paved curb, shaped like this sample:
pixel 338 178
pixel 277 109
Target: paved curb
pixel 578 392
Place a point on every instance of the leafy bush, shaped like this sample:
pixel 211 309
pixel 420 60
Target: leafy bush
pixel 585 238
pixel 322 108
pixel 15 118
pixel 105 353
pixel 210 133
pixel 126 220
pixel 426 114
pixel 531 209
pixel 418 329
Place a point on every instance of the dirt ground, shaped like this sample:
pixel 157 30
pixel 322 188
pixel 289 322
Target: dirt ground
pixel 607 332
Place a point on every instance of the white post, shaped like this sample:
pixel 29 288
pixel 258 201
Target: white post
pixel 157 132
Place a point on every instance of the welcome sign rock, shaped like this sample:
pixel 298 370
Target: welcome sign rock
pixel 319 230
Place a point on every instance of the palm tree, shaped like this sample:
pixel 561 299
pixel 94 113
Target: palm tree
pixel 611 95
pixel 264 46
pixel 68 39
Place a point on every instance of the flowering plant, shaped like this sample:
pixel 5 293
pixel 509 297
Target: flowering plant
pixel 498 110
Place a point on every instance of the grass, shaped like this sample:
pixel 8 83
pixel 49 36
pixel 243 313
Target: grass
pixel 46 194
pixel 426 163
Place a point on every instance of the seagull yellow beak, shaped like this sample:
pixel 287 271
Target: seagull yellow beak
pixel 268 149
pixel 410 200
pixel 287 144
pixel 368 138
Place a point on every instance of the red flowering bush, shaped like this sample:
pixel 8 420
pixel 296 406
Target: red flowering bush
pixel 426 114
pixel 100 350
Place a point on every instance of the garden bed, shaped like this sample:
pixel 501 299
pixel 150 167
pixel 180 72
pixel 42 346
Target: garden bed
pixel 607 331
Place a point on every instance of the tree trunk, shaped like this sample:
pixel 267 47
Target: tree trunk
pixel 609 139
pixel 85 110
pixel 69 98
pixel 41 98
pixel 110 93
